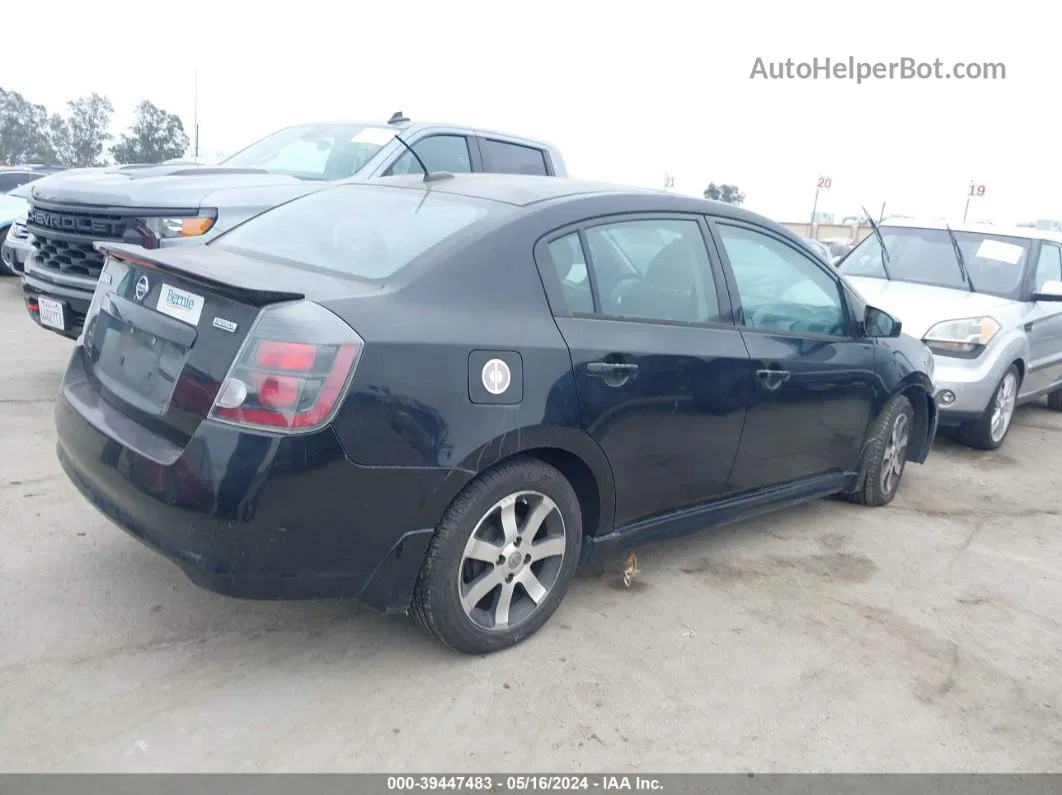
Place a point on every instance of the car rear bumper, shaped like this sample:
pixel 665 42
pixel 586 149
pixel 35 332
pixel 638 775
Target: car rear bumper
pixel 250 515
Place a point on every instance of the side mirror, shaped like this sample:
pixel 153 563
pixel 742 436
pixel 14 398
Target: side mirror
pixel 1049 291
pixel 879 323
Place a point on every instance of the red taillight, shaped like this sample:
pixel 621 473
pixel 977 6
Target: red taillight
pixel 280 383
pixel 277 391
pixel 273 355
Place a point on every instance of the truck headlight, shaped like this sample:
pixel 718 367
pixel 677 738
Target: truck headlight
pixel 184 226
pixel 963 337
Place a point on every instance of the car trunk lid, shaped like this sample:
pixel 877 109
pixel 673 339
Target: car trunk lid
pixel 166 325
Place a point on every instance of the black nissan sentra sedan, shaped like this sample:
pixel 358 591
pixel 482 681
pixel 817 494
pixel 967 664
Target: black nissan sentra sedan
pixel 439 397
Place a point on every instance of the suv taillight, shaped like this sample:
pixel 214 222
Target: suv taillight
pixel 292 372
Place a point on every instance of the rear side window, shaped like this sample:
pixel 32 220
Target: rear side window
pixel 506 158
pixel 570 264
pixel 357 230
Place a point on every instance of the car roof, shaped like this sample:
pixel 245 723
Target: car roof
pixel 523 190
pixel 1027 232
pixel 516 189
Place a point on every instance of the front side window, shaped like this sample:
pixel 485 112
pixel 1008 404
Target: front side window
pixel 994 263
pixel 439 153
pixel 782 289
pixel 314 151
pixel 653 270
pixel 506 158
pixel 1049 266
pixel 364 231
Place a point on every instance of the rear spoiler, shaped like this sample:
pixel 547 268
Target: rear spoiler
pixel 242 283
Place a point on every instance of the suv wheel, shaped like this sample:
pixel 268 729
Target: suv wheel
pixel 502 558
pixel 886 454
pixel 989 431
pixel 1054 400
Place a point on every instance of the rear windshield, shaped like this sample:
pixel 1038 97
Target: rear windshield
pixel 367 232
pixel 315 151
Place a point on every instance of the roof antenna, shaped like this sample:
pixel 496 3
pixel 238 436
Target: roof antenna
pixel 429 176
pixel 398 118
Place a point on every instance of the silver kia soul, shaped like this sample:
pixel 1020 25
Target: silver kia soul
pixel 986 299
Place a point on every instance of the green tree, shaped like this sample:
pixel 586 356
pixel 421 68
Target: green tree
pixel 23 136
pixel 730 194
pixel 156 135
pixel 88 125
pixel 57 132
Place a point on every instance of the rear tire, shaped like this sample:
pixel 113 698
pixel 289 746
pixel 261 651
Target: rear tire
pixel 1054 400
pixel 886 455
pixel 502 558
pixel 990 430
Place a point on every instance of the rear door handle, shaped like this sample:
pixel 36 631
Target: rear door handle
pixel 613 374
pixel 772 379
pixel 611 369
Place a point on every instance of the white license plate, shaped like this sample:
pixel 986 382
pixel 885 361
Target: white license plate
pixel 51 313
pixel 180 304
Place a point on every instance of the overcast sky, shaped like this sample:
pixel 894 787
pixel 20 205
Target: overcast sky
pixel 628 91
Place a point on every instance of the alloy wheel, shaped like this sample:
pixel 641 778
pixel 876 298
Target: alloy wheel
pixel 1003 406
pixel 512 561
pixel 895 454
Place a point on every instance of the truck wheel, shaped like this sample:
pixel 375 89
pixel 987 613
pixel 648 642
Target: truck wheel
pixel 886 454
pixel 502 558
pixel 1054 400
pixel 989 431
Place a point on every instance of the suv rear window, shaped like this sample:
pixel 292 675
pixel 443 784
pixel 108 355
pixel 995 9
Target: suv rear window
pixel 367 232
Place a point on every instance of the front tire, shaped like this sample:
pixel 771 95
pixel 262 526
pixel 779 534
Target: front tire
pixel 989 431
pixel 502 558
pixel 886 454
pixel 1054 400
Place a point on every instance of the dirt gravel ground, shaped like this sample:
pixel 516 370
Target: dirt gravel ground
pixel 920 637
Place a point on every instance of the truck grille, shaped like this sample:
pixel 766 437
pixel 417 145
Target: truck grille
pixel 63 240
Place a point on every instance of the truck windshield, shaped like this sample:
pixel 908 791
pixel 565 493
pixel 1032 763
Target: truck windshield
pixel 926 256
pixel 314 151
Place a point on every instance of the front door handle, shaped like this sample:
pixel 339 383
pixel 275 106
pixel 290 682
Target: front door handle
pixel 772 379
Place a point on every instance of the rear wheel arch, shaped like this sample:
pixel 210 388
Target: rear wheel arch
pixel 582 479
pixel 573 453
